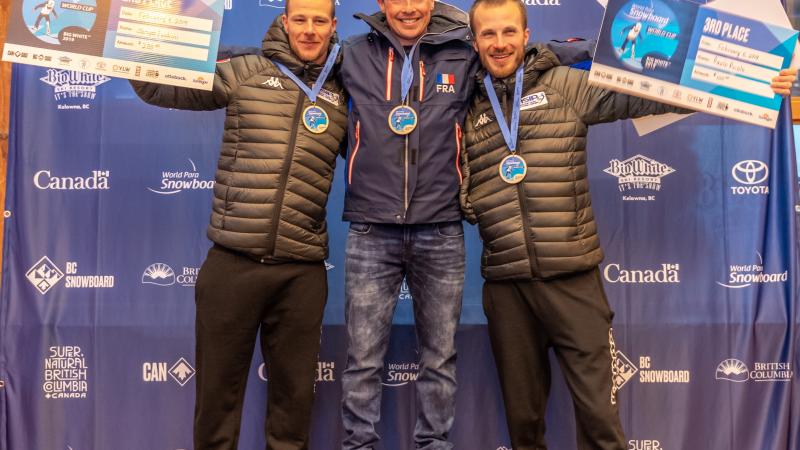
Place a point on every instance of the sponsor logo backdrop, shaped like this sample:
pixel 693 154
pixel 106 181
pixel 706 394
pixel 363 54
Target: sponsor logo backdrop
pixel 108 202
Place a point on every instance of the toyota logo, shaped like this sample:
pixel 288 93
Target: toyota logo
pixel 750 171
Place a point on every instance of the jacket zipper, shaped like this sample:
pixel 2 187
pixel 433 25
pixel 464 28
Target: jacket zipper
pixel 523 204
pixel 405 179
pixel 458 154
pixel 353 156
pixel 283 180
pixel 421 81
pixel 389 69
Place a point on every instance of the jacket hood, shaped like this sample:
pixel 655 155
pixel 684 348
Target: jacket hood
pixel 275 46
pixel 538 60
pixel 444 18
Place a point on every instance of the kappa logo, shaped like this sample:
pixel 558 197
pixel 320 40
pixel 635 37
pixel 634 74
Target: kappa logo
pixel 483 119
pixel 532 101
pixel 273 82
pixel 44 275
pixel 181 372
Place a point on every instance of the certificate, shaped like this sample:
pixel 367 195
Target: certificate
pixel 693 56
pixel 164 41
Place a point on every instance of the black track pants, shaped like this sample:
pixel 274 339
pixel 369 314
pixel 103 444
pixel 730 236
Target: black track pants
pixel 571 315
pixel 236 297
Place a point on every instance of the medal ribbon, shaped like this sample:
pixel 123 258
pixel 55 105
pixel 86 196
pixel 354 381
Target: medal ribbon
pixel 407 75
pixel 510 135
pixel 326 69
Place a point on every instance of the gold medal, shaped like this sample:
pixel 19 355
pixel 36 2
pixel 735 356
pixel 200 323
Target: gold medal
pixel 403 120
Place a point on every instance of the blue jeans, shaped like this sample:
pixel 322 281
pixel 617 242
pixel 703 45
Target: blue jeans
pixel 431 258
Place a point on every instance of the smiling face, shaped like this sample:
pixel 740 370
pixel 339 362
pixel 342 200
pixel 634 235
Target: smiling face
pixel 309 25
pixel 408 19
pixel 500 37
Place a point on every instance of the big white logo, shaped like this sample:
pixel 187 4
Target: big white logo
pixel 752 175
pixel 638 172
pixel 98 180
pixel 178 181
pixel 71 84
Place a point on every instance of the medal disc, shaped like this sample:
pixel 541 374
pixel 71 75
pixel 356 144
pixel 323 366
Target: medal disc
pixel 315 119
pixel 403 119
pixel 513 169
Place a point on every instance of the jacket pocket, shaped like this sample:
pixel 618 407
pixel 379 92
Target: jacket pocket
pixel 354 153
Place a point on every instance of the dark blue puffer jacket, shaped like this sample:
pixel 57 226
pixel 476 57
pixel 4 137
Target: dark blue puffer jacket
pixel 409 179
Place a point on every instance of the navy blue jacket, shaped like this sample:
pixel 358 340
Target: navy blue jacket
pixel 410 179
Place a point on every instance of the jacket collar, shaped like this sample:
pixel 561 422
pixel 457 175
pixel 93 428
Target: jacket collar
pixel 448 23
pixel 275 46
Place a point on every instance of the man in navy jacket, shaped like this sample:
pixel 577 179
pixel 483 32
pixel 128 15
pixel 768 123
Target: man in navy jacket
pixel 410 81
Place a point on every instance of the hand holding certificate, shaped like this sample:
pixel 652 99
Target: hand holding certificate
pixel 164 41
pixel 697 57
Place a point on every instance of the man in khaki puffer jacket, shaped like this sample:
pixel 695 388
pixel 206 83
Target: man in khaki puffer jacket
pixel 533 211
pixel 266 269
